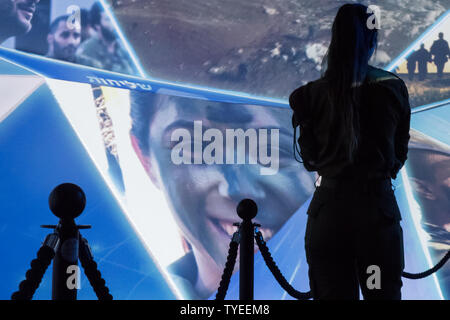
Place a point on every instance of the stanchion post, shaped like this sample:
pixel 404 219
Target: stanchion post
pixel 66 201
pixel 246 210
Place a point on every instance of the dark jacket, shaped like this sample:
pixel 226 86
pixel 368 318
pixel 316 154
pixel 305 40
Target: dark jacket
pixel 385 116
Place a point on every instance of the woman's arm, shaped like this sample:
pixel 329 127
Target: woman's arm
pixel 402 132
pixel 302 117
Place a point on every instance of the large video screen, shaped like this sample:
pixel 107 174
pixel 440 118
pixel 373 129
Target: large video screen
pixel 181 110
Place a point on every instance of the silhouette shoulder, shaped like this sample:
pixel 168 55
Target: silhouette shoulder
pixel 386 79
pixel 375 75
pixel 300 104
pixel 298 95
pixel 391 84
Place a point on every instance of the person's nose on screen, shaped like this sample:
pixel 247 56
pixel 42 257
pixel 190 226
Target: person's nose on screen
pixel 241 182
pixel 72 41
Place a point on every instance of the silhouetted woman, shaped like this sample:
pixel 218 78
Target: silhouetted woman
pixel 354 131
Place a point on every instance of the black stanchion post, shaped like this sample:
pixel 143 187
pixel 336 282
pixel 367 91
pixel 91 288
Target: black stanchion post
pixel 66 201
pixel 246 210
pixel 64 246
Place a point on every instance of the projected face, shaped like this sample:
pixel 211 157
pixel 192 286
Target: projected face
pixel 204 197
pixel 15 16
pixel 65 41
pixel 106 27
pixel 432 185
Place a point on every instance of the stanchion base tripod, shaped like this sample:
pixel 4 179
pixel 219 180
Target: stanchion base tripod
pixel 65 246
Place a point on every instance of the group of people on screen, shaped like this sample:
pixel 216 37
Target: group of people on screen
pixel 438 54
pixel 84 36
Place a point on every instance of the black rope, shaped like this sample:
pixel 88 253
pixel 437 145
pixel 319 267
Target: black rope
pixel 429 271
pixel 90 269
pixel 305 296
pixel 33 276
pixel 276 271
pixel 229 267
pixel 231 260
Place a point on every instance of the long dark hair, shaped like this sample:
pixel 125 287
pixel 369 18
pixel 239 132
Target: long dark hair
pixel 345 67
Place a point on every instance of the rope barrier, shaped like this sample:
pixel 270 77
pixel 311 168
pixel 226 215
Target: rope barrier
pixel 90 270
pixel 33 276
pixel 229 267
pixel 276 271
pixel 231 260
pixel 430 271
pixel 65 246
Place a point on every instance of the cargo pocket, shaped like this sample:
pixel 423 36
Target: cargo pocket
pixel 388 207
pixel 316 203
pixel 318 200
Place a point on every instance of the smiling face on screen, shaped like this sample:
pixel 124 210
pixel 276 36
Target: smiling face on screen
pixel 15 17
pixel 203 197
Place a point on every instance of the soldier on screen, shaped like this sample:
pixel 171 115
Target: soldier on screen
pixel 423 57
pixel 440 50
pixel 103 50
pixel 15 17
pixel 411 64
pixel 63 39
pixel 202 197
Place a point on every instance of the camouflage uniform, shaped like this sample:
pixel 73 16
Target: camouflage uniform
pixel 94 53
pixel 353 217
